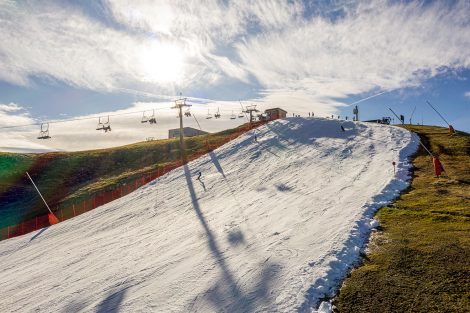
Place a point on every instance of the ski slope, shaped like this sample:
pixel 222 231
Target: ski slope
pixel 273 226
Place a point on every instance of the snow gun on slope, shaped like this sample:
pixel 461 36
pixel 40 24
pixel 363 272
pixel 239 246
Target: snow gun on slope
pixel 451 128
pixel 52 218
pixel 438 167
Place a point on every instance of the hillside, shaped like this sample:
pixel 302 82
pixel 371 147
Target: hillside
pixel 273 225
pixel 67 177
pixel 419 261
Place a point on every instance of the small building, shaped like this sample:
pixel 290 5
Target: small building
pixel 274 114
pixel 187 132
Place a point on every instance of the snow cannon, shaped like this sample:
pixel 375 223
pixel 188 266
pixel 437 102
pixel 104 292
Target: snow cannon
pixel 438 168
pixel 451 130
pixel 52 219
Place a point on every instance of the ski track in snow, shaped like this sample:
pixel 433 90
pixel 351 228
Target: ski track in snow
pixel 273 226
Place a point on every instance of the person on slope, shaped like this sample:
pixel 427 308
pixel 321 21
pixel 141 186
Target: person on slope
pixel 199 176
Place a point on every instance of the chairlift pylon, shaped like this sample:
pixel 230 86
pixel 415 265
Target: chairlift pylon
pixel 44 131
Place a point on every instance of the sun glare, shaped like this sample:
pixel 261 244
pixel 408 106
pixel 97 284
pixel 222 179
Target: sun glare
pixel 161 63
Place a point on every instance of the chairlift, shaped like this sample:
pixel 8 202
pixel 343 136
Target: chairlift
pixel 152 119
pixel 44 131
pixel 209 116
pixel 241 115
pixel 106 126
pixel 145 118
pixel 217 115
pixel 233 116
pixel 187 113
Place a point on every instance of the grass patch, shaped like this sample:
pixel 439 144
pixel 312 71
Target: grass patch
pixel 420 261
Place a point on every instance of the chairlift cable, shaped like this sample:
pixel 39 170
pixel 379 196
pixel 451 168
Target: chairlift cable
pixel 82 118
pixel 194 115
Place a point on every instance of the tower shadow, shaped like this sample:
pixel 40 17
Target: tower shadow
pixel 233 288
pixel 112 303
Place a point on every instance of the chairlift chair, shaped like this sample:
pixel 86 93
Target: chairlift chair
pixel 152 119
pixel 233 116
pixel 44 131
pixel 241 115
pixel 209 116
pixel 145 118
pixel 217 115
pixel 106 126
pixel 187 113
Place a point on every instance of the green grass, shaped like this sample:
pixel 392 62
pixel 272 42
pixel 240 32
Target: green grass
pixel 420 260
pixel 65 178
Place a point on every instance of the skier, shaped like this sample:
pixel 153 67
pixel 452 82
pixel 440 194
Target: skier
pixel 199 176
pixel 342 129
pixel 256 138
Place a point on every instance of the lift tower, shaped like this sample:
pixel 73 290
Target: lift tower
pixel 179 104
pixel 250 109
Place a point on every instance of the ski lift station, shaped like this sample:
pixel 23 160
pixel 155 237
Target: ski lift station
pixel 187 132
pixel 385 120
pixel 274 114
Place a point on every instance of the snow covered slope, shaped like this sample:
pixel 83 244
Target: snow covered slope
pixel 272 226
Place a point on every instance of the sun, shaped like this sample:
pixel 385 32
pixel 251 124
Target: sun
pixel 161 63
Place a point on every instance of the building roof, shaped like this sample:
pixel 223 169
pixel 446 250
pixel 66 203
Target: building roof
pixel 188 128
pixel 275 109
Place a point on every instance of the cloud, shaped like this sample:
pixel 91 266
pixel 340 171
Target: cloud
pixel 14 114
pixel 467 94
pixel 15 139
pixel 290 52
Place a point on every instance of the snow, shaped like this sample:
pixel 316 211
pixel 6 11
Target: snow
pixel 273 226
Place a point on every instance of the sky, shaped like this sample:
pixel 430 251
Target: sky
pixel 66 59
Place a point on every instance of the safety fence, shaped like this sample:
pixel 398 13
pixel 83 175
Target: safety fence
pixel 117 191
